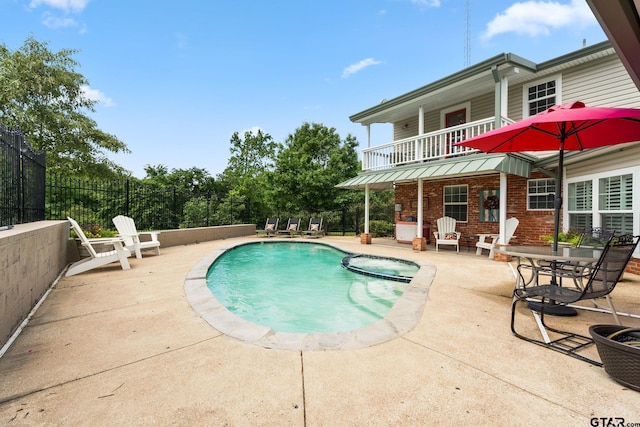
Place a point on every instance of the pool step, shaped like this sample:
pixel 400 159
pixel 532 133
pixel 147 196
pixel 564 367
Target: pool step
pixel 371 297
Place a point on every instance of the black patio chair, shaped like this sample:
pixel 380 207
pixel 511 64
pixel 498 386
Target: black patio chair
pixel 597 281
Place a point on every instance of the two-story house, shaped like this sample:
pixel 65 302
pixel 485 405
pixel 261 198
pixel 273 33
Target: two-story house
pixel 433 178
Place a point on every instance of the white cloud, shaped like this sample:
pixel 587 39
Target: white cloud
pixel 535 18
pixel 354 68
pixel 427 3
pixel 54 22
pixel 98 96
pixel 65 5
pixel 182 41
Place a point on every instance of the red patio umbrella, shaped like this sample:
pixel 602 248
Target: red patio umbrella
pixel 571 126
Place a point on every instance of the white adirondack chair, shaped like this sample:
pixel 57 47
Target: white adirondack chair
pixel 483 243
pixel 447 234
pixel 127 230
pixel 98 259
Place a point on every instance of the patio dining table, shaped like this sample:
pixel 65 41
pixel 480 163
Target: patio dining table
pixel 563 254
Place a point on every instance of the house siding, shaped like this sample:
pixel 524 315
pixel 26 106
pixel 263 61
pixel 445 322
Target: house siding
pixel 481 107
pixel 604 82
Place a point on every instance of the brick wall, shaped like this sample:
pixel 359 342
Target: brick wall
pixel 533 224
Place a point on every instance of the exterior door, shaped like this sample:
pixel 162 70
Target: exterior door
pixel 455 118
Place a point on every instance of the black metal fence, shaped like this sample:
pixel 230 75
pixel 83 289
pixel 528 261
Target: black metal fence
pixel 95 203
pixel 22 177
pixel 28 194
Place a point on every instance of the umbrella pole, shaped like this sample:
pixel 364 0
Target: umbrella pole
pixel 557 201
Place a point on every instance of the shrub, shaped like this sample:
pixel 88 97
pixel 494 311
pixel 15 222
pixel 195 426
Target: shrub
pixel 379 228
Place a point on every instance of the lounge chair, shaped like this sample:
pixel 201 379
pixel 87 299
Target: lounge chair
pixel 483 243
pixel 315 228
pixel 447 234
pixel 96 258
pixel 127 229
pixel 270 227
pixel 293 227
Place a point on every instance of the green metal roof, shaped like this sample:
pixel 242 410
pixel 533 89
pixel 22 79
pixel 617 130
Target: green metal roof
pixel 471 165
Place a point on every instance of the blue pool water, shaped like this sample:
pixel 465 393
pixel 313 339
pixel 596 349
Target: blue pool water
pixel 299 287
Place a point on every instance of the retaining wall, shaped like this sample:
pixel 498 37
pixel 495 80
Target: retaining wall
pixel 33 255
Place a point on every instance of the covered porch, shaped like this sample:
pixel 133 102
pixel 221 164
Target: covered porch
pixel 462 169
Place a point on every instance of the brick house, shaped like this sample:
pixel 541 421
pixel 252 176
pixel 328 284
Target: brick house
pixel 433 178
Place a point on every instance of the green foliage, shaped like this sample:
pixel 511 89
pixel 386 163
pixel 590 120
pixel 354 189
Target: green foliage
pixel 571 236
pixel 311 163
pixel 379 228
pixel 43 95
pixel 248 198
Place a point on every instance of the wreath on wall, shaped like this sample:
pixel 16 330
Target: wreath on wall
pixel 491 202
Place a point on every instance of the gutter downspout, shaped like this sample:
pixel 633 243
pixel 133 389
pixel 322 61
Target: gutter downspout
pixel 500 106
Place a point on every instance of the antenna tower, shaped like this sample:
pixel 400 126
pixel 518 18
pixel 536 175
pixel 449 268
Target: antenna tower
pixel 467 36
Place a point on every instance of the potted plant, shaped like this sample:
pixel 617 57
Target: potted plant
pixel 92 231
pixel 569 238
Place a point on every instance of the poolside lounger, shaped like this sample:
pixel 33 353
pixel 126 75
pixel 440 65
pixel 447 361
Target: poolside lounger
pixel 293 227
pixel 270 227
pixel 315 228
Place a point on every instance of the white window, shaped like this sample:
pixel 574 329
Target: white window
pixel 540 96
pixel 614 203
pixel 611 210
pixel 540 194
pixel 580 203
pixel 456 199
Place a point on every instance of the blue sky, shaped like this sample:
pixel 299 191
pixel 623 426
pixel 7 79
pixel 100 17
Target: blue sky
pixel 175 79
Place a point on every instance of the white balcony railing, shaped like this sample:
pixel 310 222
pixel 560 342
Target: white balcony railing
pixel 428 146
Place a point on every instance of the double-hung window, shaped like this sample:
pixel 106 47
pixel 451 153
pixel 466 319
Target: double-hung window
pixel 541 95
pixel 456 199
pixel 540 194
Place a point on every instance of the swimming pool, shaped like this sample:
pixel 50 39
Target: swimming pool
pixel 399 319
pixel 301 287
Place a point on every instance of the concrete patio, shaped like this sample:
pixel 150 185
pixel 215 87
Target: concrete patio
pixel 114 347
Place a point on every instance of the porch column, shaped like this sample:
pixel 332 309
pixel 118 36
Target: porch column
pixel 503 207
pixel 419 242
pixel 365 238
pixel 368 136
pixel 420 120
pixel 502 218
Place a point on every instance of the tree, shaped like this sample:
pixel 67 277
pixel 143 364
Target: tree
pixel 312 162
pixel 252 157
pixel 42 94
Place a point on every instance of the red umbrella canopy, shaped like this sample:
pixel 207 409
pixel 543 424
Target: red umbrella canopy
pixel 570 126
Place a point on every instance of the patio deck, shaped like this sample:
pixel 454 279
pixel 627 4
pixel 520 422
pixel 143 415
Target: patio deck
pixel 114 347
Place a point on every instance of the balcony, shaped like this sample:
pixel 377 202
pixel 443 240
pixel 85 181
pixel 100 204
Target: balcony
pixel 428 146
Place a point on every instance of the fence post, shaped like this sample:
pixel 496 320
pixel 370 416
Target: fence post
pixel 207 208
pixel 357 220
pixel 126 197
pixel 344 219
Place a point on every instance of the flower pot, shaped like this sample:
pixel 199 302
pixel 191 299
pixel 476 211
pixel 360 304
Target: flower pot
pixel 620 360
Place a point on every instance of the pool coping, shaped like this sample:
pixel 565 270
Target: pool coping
pixel 401 318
